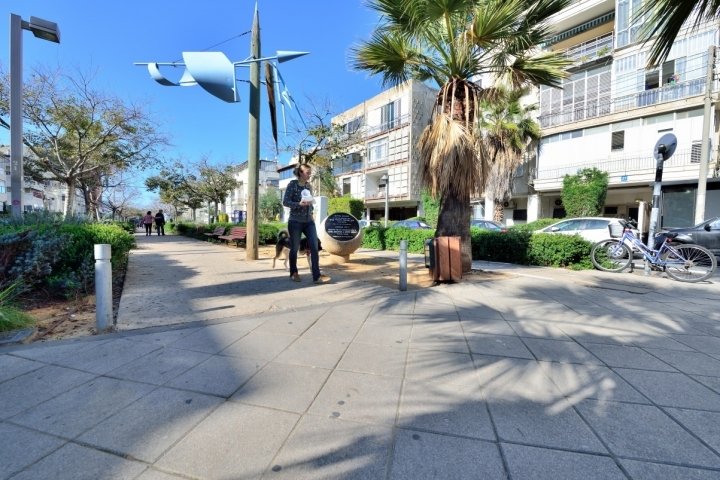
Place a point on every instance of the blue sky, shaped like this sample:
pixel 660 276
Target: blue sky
pixel 106 38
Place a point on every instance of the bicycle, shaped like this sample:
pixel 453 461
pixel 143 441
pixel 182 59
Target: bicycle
pixel 682 262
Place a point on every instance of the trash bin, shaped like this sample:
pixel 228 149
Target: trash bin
pixel 444 259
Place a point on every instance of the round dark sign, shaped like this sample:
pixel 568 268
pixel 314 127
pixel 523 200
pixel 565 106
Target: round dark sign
pixel 342 226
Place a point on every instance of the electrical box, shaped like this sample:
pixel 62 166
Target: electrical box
pixel 444 259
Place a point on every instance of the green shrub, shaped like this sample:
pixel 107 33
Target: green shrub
pixel 535 225
pixel 559 251
pixel 267 234
pixel 11 317
pixel 346 204
pixel 416 238
pixel 374 237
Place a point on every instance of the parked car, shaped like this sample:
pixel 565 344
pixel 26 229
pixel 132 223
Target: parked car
pixel 488 225
pixel 592 229
pixel 369 223
pixel 705 234
pixel 411 224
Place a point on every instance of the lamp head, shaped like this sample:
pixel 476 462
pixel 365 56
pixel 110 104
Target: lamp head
pixel 44 29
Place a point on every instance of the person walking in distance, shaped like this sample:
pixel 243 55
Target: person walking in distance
pixel 147 221
pixel 160 222
pixel 298 198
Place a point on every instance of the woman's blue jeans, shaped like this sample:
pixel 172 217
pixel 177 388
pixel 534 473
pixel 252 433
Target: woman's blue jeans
pixel 295 230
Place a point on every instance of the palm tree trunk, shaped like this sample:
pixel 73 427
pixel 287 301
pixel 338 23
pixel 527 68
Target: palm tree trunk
pixel 499 211
pixel 454 218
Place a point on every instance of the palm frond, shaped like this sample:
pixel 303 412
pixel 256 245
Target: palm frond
pixel 545 68
pixel 388 54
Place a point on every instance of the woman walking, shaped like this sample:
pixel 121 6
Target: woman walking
pixel 147 223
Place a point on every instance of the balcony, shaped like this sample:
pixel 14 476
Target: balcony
pixel 599 47
pixel 372 130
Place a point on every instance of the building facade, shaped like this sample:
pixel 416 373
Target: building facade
pixel 268 180
pixel 381 164
pixel 612 109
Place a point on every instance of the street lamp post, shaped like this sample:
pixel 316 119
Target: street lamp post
pixel 386 181
pixel 41 29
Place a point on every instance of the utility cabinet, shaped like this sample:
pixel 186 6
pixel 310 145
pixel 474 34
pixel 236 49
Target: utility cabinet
pixel 443 259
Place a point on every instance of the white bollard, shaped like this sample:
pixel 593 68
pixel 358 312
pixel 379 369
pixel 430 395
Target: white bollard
pixel 103 288
pixel 403 265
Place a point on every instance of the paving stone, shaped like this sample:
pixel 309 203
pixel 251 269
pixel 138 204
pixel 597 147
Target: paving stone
pixel 495 326
pixel 359 397
pixel 711 382
pixel 446 336
pixel 234 441
pixel 532 463
pixel 162 338
pixel 286 387
pixel 656 471
pixel 645 432
pixel 701 343
pixel 514 379
pixel 160 366
pixel 75 462
pixel 441 367
pixel 148 427
pixel 538 329
pixel 11 367
pixel 53 353
pixel 693 363
pixel 626 356
pixel 22 447
pixel 578 382
pixel 342 327
pixel 453 409
pixel 263 346
pixel 313 352
pixel 218 375
pixel 330 448
pixel 151 474
pixel 706 425
pixel 560 351
pixel 500 345
pixel 672 389
pixel 291 323
pixel 37 386
pixel 384 334
pixel 375 359
pixel 660 341
pixel 422 455
pixel 211 339
pixel 98 399
pixel 107 356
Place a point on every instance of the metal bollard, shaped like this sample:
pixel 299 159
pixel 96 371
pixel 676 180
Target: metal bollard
pixel 103 288
pixel 403 265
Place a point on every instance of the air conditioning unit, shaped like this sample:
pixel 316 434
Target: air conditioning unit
pixel 510 204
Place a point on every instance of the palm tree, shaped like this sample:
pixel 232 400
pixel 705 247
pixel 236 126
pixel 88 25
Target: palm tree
pixel 509 131
pixel 665 18
pixel 453 43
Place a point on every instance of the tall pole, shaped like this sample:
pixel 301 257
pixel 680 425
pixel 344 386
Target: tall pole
pixel 705 147
pixel 387 197
pixel 655 211
pixel 16 120
pixel 251 251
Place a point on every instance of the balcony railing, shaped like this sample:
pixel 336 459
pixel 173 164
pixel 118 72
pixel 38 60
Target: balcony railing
pixel 585 52
pixel 620 165
pixel 664 94
pixel 398 122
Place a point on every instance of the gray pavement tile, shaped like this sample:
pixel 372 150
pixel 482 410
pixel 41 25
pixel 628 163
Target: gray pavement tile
pixel 560 351
pixel 211 339
pixel 380 333
pixel 401 306
pixel 500 345
pixel 313 352
pixel 75 462
pixel 706 425
pixel 359 397
pixel 657 471
pixel 148 427
pixel 578 382
pixel 160 366
pixel 263 346
pixel 701 343
pixel 421 455
pixel 291 323
pixel 454 409
pixel 235 441
pixel 375 359
pixel 645 432
pixel 587 331
pixel 660 341
pixel 495 326
pixel 515 379
pixel 710 382
pixel 548 310
pixel 693 363
pixel 671 389
pixel 11 367
pixel 440 367
pixel 107 356
pixel 625 356
pixel 37 386
pixel 532 463
pixel 554 425
pixel 163 337
pixel 71 413
pixel 339 328
pixel 151 474
pixel 446 342
pixel 218 375
pixel 707 327
pixel 329 448
pixel 48 353
pixel 286 387
pixel 22 447
pixel 538 329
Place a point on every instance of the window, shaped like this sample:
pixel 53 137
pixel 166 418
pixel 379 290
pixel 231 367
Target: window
pixel 353 125
pixel 610 211
pixel 377 151
pixel 520 214
pixel 390 115
pixel 618 140
pixel 346 186
pixel 695 152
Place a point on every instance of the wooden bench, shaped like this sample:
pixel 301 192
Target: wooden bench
pixel 215 233
pixel 236 234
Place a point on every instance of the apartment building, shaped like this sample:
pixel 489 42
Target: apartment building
pixel 382 164
pixel 47 195
pixel 268 179
pixel 611 111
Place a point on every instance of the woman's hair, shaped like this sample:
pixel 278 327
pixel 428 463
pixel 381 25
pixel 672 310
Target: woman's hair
pixel 296 170
pixel 149 212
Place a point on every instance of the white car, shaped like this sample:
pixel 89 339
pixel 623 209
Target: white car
pixel 592 229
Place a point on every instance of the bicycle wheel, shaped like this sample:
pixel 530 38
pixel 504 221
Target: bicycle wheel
pixel 689 263
pixel 610 256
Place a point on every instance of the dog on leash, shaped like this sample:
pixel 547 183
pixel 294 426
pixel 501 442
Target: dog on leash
pixel 283 247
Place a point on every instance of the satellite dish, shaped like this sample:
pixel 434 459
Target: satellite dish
pixel 665 146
